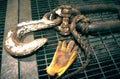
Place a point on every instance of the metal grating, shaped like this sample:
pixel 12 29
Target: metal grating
pixel 105 63
pixel 3 5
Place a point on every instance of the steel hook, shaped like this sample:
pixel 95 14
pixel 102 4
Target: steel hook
pixel 13 44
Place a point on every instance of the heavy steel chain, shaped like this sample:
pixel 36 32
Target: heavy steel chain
pixel 66 13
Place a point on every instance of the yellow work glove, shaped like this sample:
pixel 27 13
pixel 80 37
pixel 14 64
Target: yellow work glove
pixel 63 58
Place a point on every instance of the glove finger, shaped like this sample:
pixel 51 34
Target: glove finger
pixel 64 45
pixel 59 46
pixel 75 49
pixel 70 46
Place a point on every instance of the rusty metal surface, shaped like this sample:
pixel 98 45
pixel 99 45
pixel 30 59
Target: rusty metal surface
pixel 98 8
pixel 14 68
pixel 104 26
pixel 28 65
pixel 95 27
pixel 9 69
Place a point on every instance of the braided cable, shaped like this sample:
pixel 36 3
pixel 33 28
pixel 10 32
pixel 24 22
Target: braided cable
pixel 77 36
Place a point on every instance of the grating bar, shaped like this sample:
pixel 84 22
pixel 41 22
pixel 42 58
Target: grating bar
pixel 109 53
pixel 98 63
pixel 115 39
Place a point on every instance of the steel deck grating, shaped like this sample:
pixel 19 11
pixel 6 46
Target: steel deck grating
pixel 3 5
pixel 105 63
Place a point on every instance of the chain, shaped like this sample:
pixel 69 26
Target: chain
pixel 65 12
